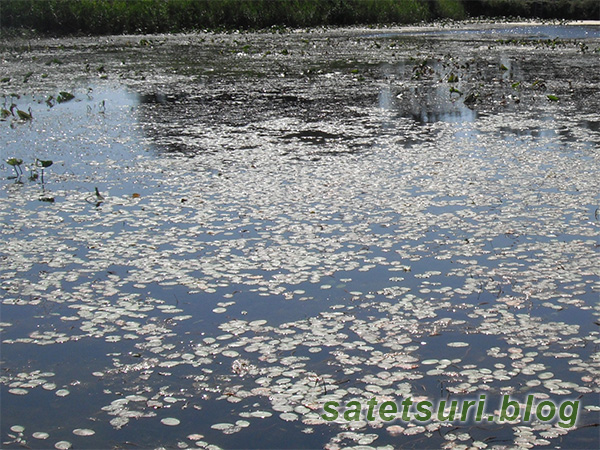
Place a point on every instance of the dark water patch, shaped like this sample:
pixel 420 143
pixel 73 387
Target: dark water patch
pixel 593 125
pixel 315 137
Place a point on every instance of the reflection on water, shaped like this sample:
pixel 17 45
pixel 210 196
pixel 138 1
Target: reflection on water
pixel 427 106
pixel 425 102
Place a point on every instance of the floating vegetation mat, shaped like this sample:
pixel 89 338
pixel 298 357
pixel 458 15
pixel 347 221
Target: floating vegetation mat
pixel 234 229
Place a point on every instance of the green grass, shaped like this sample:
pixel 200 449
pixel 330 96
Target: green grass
pixel 152 16
pixel 97 17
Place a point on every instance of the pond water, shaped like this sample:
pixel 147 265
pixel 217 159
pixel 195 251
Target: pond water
pixel 532 31
pixel 238 228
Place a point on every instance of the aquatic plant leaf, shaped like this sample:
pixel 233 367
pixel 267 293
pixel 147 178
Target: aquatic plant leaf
pixel 170 421
pixel 44 163
pixel 24 115
pixel 83 432
pixel 40 435
pixel 14 161
pixel 64 96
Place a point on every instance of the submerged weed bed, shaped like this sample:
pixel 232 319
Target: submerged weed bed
pixel 240 234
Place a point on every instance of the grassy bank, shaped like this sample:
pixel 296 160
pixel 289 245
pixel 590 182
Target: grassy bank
pixel 155 16
pixel 150 16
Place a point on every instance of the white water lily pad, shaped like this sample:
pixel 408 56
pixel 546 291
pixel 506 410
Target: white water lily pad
pixel 395 430
pixel 429 361
pixel 63 445
pixel 411 431
pixel 62 393
pixel 260 414
pixel 170 421
pixel 40 435
pixel 83 432
pixel 119 422
pixel 457 344
pixel 17 428
pixel 18 391
pixel 222 426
